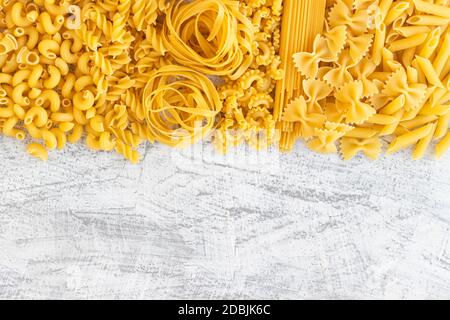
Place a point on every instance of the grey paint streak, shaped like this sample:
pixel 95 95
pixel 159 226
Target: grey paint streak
pixel 89 225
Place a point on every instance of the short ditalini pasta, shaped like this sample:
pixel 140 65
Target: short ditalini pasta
pixel 388 77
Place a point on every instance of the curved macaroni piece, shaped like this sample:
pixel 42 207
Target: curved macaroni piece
pixel 38 151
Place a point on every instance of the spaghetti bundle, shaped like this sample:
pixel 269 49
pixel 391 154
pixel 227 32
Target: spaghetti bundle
pixel 302 21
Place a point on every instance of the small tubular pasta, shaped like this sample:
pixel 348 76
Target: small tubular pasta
pixel 443 146
pixel 409 139
pixel 38 151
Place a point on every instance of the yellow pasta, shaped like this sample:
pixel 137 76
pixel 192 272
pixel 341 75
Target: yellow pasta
pixel 297 35
pixel 338 74
pixel 182 110
pixel 38 151
pixel 389 78
pixel 443 146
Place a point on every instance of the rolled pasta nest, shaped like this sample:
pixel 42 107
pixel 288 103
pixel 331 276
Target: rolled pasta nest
pixel 212 37
pixel 343 76
pixel 181 105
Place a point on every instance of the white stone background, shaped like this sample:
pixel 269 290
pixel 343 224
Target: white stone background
pixel 297 226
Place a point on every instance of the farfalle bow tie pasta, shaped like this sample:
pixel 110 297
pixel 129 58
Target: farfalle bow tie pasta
pixel 344 76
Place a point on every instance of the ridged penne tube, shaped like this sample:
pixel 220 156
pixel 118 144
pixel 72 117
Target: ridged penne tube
pixel 384 7
pixel 442 56
pixel 408 31
pixel 429 72
pixel 423 144
pixel 406 43
pixel 427 20
pixel 442 126
pixel 396 11
pixel 433 9
pixel 408 139
pixel 430 44
pixel 378 44
pixel 443 146
pixel 394 106
pixel 382 119
pixel 418 121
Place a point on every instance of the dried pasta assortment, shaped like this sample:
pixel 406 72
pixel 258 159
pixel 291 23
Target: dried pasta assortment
pixel 379 72
pixel 343 75
pixel 118 72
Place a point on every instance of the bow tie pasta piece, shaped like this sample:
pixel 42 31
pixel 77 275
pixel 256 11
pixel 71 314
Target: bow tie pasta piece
pixel 359 46
pixel 397 84
pixel 297 111
pixel 349 98
pixel 340 75
pixel 343 14
pixel 325 48
pixel 350 147
pixel 316 90
pixel 362 71
pixel 324 141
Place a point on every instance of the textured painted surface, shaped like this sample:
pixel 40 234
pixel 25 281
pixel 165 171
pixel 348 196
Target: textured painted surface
pixel 87 225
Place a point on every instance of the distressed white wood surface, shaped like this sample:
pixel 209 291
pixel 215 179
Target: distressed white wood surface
pixel 90 225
